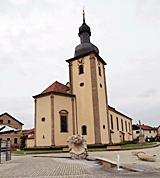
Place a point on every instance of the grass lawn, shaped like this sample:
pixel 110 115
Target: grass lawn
pixel 136 145
pixel 22 151
pixel 122 146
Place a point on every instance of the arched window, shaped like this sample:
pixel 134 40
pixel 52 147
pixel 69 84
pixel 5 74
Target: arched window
pixel 64 120
pixel 81 69
pixel 84 130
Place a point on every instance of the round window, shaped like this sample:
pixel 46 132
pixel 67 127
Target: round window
pixel 43 119
pixel 81 84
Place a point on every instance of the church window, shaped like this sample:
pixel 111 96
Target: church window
pixel 81 69
pixel 126 125
pixel 43 119
pixel 82 84
pixel 1 121
pixel 103 126
pixel 101 85
pixel 111 122
pixel 64 120
pixel 84 130
pixel 9 121
pixel 117 124
pixel 99 69
pixel 122 123
pixel 15 140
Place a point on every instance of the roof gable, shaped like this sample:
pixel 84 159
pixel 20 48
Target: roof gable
pixel 10 117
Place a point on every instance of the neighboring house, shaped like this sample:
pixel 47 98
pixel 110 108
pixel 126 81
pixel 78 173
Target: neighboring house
pixel 10 129
pixel 29 137
pixel 158 134
pixel 148 131
pixel 80 106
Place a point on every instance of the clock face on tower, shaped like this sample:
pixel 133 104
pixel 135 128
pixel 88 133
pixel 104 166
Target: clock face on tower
pixel 80 61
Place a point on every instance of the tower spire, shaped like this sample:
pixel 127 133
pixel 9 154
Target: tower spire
pixel 83 16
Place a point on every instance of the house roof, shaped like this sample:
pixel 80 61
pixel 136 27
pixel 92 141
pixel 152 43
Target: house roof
pixel 11 117
pixel 31 137
pixel 28 131
pixel 146 127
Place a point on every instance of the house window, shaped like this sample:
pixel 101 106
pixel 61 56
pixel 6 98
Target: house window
pixel 0 138
pixel 8 138
pixel 149 131
pixel 1 121
pixel 99 69
pixel 84 130
pixel 122 123
pixel 81 69
pixel 129 126
pixel 137 132
pixel 9 121
pixel 117 124
pixel 126 125
pixel 64 120
pixel 111 122
pixel 15 140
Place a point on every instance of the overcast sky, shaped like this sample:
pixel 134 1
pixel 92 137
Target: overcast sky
pixel 37 36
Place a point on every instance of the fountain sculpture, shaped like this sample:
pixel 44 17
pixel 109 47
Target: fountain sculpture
pixel 77 146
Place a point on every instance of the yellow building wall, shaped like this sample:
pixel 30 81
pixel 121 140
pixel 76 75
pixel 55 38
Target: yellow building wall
pixel 30 143
pixel 102 103
pixel 62 103
pixel 84 99
pixel 12 136
pixel 43 129
pixel 116 135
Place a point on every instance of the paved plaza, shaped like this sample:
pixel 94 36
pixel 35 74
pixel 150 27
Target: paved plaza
pixel 55 165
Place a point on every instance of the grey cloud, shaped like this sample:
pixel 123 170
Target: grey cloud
pixel 148 93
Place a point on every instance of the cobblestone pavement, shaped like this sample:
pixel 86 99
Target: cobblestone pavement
pixel 46 166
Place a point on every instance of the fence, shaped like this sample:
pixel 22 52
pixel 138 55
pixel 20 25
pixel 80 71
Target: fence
pixel 5 150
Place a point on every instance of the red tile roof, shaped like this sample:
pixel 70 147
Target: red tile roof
pixel 31 137
pixel 57 87
pixel 146 127
pixel 28 131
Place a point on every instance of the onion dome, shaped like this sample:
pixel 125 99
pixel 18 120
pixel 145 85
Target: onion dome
pixel 84 34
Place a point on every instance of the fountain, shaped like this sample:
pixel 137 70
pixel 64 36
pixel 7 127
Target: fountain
pixel 77 146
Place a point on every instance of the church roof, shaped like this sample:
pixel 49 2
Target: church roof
pixel 57 87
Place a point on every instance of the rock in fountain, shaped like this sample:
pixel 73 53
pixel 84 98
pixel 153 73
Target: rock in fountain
pixel 77 146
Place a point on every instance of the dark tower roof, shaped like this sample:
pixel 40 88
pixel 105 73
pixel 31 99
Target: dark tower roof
pixel 84 34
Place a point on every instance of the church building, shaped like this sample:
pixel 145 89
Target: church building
pixel 80 106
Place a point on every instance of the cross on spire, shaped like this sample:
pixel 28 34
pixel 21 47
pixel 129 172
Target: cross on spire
pixel 83 15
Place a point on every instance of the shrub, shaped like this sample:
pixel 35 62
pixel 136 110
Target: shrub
pixel 23 140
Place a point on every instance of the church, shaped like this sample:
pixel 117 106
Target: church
pixel 80 106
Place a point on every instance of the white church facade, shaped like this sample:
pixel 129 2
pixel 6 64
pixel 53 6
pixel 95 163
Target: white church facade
pixel 80 106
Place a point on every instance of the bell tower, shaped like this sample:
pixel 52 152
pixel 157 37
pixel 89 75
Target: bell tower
pixel 88 83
